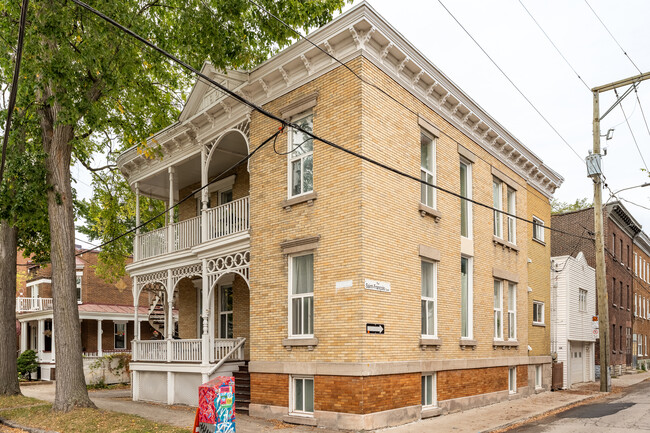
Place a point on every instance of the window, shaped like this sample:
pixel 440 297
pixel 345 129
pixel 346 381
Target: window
pixel 636 264
pixel 538 312
pixel 428 169
pixel 35 291
pixel 636 305
pixel 496 202
pixel 639 345
pixel 613 338
pixel 614 291
pixel 512 221
pixel 225 312
pixel 466 301
pixel 78 282
pixel 538 229
pixel 512 311
pixel 620 340
pixel 301 299
pixel 645 338
pixel 628 255
pixel 120 336
pixel 614 245
pixel 498 310
pixel 428 275
pixel 429 390
pixel 465 206
pixel 512 380
pixel 582 300
pixel 303 395
pixel 620 292
pixel 621 253
pixel 301 162
pixel 538 376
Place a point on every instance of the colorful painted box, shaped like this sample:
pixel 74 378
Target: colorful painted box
pixel 217 403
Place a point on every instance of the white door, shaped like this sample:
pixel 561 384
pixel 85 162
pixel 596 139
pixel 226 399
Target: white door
pixel 577 362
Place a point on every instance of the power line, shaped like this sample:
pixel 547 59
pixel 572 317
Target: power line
pixel 632 133
pixel 636 93
pixel 512 82
pixel 14 85
pixel 610 33
pixel 554 46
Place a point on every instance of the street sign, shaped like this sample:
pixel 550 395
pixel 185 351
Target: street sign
pixel 374 328
pixel 596 333
pixel 379 286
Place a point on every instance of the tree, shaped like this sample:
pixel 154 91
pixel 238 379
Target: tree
pixel 88 83
pixel 26 364
pixel 558 207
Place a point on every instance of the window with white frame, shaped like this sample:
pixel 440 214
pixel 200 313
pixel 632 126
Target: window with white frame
pixel 120 336
pixel 512 210
pixel 636 264
pixel 302 395
pixel 639 344
pixel 512 311
pixel 497 203
pixel 301 295
pixel 78 283
pixel 225 312
pixel 429 390
pixel 538 229
pixel 512 380
pixel 465 206
pixel 301 161
pixel 466 298
pixel 582 300
pixel 645 340
pixel 429 297
pixel 34 291
pixel 538 312
pixel 636 304
pixel 428 169
pixel 498 309
pixel 538 376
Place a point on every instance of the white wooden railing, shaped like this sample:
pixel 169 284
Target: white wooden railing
pixel 33 304
pixel 228 219
pixel 154 350
pixel 151 244
pixel 105 352
pixel 187 233
pixel 186 350
pixel 223 346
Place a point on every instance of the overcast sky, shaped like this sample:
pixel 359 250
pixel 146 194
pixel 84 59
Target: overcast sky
pixel 518 46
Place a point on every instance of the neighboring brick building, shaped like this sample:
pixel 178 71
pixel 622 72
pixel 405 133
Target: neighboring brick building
pixel 105 312
pixel 620 229
pixel 641 316
pixel 363 298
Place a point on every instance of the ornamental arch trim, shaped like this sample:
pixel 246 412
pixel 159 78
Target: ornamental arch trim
pixel 235 263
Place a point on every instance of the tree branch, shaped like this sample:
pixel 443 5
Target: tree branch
pixel 94 170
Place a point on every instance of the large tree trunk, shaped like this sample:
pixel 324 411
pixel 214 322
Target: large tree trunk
pixel 71 389
pixel 8 372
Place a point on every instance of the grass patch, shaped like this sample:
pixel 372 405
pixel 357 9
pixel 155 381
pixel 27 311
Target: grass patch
pixel 85 420
pixel 7 402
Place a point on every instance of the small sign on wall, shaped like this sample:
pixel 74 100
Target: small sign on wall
pixel 343 284
pixel 374 328
pixel 379 286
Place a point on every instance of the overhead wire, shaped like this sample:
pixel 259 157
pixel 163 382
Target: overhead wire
pixel 636 93
pixel 284 124
pixel 632 133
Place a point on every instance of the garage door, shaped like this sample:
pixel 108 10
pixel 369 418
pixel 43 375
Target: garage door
pixel 577 362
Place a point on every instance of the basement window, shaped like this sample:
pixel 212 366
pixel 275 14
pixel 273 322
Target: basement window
pixel 302 395
pixel 512 380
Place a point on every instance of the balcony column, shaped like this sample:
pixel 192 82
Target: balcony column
pixel 136 241
pixel 206 344
pixel 52 339
pixel 170 216
pixel 23 336
pixel 169 323
pixel 136 312
pixel 99 338
pixel 40 339
pixel 204 194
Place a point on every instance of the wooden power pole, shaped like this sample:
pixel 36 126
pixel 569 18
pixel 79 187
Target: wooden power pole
pixel 595 172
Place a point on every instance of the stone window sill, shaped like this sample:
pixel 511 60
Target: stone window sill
pixel 309 198
pixel 310 343
pixel 543 325
pixel 430 412
pixel 505 244
pixel 300 419
pixel 539 242
pixel 467 344
pixel 426 210
pixel 505 344
pixel 430 342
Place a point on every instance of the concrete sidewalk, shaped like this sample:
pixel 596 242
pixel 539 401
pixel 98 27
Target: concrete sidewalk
pixel 491 418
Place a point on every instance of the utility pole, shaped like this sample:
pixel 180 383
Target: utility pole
pixel 595 172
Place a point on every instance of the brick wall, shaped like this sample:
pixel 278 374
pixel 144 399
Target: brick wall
pixel 465 383
pixel 271 389
pixel 187 309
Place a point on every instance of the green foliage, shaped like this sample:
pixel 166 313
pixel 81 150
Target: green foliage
pixel 558 207
pixel 26 363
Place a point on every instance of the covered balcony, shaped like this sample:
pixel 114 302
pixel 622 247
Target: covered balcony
pixel 24 305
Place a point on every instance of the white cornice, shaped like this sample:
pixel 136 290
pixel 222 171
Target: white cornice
pixel 359 32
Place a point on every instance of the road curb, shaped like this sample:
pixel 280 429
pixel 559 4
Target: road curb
pixel 12 424
pixel 527 419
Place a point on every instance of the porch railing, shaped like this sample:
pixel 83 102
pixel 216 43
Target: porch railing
pixel 223 346
pixel 33 304
pixel 228 219
pixel 105 352
pixel 152 243
pixel 184 350
pixel 187 233
pixel 154 350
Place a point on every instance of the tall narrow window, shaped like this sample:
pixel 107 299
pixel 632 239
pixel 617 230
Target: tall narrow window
pixel 512 380
pixel 428 169
pixel 613 338
pixel 614 291
pixel 120 336
pixel 429 390
pixel 620 340
pixel 303 395
pixel 538 229
pixel 636 264
pixel 538 376
pixel 498 310
pixel 225 312
pixel 636 305
pixel 621 249
pixel 428 275
pixel 301 303
pixel 466 301
pixel 465 206
pixel 512 311
pixel 614 245
pixel 497 200
pixel 512 221
pixel 301 162
pixel 78 283
pixel 538 313
pixel 582 300
pixel 620 293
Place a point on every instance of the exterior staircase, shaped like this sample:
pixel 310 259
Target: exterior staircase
pixel 242 389
pixel 157 313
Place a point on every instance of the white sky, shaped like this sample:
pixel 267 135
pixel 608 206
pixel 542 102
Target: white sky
pixel 508 34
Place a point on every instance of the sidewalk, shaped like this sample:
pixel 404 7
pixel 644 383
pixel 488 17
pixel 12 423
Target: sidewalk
pixel 484 419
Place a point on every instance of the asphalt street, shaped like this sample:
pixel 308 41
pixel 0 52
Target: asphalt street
pixel 625 412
